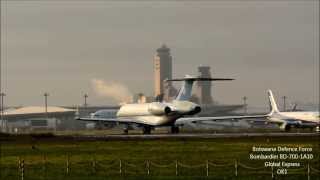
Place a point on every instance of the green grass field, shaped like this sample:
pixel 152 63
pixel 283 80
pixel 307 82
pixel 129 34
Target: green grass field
pixel 65 158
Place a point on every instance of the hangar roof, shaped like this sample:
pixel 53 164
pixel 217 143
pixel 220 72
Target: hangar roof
pixel 37 110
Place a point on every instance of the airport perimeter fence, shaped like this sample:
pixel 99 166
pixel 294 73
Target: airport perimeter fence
pixel 29 170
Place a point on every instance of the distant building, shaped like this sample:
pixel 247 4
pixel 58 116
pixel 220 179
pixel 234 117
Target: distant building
pixel 203 88
pixel 141 98
pixel 162 71
pixel 35 117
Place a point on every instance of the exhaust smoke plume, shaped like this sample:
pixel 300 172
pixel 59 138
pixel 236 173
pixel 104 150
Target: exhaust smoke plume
pixel 116 91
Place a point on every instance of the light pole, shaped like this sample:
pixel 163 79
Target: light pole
pixel 245 104
pixel 85 100
pixel 284 102
pixel 46 102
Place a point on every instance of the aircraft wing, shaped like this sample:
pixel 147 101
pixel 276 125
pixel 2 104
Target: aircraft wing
pixel 217 118
pixel 115 120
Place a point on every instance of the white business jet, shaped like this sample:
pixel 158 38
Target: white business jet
pixel 285 120
pixel 155 114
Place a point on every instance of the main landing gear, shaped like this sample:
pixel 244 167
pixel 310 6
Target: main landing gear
pixel 174 129
pixel 146 130
pixel 287 128
pixel 125 131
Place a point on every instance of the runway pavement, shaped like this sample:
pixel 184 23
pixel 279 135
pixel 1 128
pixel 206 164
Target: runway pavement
pixel 190 136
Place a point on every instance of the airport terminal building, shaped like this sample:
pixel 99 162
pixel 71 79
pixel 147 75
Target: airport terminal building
pixel 33 118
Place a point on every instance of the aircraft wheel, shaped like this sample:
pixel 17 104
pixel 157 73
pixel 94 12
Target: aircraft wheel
pixel 146 130
pixel 126 131
pixel 174 130
pixel 287 128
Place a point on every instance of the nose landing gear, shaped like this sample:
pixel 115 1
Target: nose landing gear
pixel 125 131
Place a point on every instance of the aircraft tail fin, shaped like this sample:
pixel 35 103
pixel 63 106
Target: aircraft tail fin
pixel 185 91
pixel 273 104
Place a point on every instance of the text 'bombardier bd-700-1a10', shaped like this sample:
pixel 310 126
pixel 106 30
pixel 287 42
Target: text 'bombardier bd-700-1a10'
pixel 155 114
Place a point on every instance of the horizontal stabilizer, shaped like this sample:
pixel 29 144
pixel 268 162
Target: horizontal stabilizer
pixel 185 90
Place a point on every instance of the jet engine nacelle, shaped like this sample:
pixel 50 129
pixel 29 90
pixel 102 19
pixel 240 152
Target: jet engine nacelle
pixel 144 109
pixel 158 109
pixel 186 107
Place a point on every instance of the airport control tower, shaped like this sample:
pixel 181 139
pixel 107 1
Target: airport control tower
pixel 162 71
pixel 203 90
